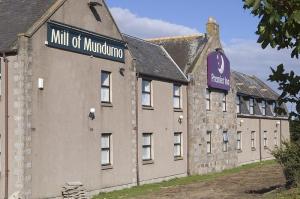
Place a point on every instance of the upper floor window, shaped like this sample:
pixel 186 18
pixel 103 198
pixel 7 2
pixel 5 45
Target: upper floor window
pixel 252 140
pixel 251 106
pixel 224 102
pixel 263 107
pixel 265 139
pixel 275 139
pixel 207 97
pixel 105 87
pixel 177 96
pixel 238 104
pixel 146 93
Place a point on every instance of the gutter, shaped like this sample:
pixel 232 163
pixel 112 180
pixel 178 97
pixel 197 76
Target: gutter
pixel 6 126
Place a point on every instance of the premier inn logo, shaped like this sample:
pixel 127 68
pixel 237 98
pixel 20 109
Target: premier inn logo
pixel 84 42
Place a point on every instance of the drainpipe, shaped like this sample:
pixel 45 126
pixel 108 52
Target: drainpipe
pixel 6 125
pixel 137 125
pixel 280 133
pixel 187 133
pixel 260 150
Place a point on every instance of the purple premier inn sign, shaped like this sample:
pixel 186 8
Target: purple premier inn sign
pixel 218 71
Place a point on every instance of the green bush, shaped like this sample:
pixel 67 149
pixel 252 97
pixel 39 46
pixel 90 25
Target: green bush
pixel 288 156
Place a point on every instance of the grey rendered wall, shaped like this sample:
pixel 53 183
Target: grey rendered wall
pixel 65 143
pixel 162 121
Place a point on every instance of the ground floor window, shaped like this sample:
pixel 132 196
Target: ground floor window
pixel 177 145
pixel 208 142
pixel 265 139
pixel 239 140
pixel 147 147
pixel 225 141
pixel 252 140
pixel 275 139
pixel 106 149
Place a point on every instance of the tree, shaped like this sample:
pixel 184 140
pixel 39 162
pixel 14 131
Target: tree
pixel 295 130
pixel 279 27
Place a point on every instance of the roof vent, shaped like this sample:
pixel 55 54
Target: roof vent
pixel 252 87
pixel 239 84
pixel 264 89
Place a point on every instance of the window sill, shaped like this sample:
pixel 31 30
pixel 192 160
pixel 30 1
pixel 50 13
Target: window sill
pixel 178 158
pixel 145 162
pixel 178 110
pixel 106 167
pixel 147 107
pixel 253 149
pixel 265 147
pixel 106 104
pixel 239 150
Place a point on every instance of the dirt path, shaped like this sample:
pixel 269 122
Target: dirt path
pixel 252 183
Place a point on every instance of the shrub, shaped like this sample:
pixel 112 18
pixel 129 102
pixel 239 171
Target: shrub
pixel 288 156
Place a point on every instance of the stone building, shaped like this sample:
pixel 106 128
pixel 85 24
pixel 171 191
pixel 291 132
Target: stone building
pixel 84 107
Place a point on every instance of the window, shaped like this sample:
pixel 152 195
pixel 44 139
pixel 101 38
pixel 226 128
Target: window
pixel 273 108
pixel 207 96
pixel 208 141
pixel 146 93
pixel 224 103
pixel 263 107
pixel 225 141
pixel 239 140
pixel 105 87
pixel 176 96
pixel 251 106
pixel 106 149
pixel 275 139
pixel 238 104
pixel 253 140
pixel 147 147
pixel 177 145
pixel 265 139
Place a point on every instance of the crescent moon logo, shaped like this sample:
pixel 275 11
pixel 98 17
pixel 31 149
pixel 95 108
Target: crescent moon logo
pixel 221 66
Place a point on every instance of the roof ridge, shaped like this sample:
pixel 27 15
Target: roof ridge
pixel 176 37
pixel 142 40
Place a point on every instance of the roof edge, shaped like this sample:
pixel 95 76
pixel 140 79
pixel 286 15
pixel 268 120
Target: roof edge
pixel 176 37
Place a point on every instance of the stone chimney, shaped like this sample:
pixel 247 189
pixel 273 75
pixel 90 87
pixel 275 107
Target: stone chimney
pixel 212 27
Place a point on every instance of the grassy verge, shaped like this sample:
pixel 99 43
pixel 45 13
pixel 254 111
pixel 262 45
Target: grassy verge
pixel 150 188
pixel 284 194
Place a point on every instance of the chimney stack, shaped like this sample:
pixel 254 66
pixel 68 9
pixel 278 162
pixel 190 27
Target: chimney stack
pixel 212 27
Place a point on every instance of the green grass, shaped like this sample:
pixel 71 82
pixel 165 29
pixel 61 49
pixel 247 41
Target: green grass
pixel 284 194
pixel 150 188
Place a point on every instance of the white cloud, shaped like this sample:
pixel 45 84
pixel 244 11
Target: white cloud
pixel 144 27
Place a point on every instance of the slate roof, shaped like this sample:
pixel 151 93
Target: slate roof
pixel 183 49
pixel 152 60
pixel 252 86
pixel 17 17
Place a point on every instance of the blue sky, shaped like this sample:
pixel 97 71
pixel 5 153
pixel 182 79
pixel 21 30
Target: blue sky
pixel 153 18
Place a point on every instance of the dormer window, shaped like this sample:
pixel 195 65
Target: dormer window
pixel 273 107
pixel 238 104
pixel 262 107
pixel 251 106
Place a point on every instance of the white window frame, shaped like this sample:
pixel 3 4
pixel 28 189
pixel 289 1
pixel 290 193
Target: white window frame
pixel 251 106
pixel 252 138
pixel 265 136
pixel 208 99
pixel 225 141
pixel 105 87
pixel 148 93
pixel 238 103
pixel 263 105
pixel 177 96
pixel 147 146
pixel 275 138
pixel 239 140
pixel 106 149
pixel 208 142
pixel 224 102
pixel 178 144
